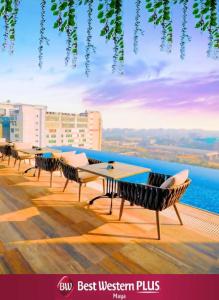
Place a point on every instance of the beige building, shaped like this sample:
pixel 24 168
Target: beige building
pixel 35 125
pixel 79 130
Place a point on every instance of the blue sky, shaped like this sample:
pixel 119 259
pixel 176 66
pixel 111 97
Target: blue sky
pixel 157 89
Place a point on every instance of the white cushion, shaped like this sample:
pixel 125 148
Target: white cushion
pixel 181 177
pixel 78 160
pixel 63 155
pixel 86 176
pixel 175 180
pixel 168 183
pixel 21 146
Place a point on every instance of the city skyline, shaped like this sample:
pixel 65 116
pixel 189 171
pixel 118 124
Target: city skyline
pixel 157 90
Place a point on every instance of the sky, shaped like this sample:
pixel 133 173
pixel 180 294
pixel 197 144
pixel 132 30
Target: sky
pixel 157 90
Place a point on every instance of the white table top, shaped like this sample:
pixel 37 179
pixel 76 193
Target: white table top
pixel 34 151
pixel 120 170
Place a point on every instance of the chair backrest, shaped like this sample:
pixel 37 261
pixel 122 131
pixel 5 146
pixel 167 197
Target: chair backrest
pixel 69 172
pixel 5 150
pixel 156 179
pixel 150 196
pixel 49 164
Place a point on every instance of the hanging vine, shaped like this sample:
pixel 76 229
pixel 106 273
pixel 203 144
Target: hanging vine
pixel 167 29
pixel 160 15
pixel 207 14
pixel 137 29
pixel 184 35
pixel 8 11
pixel 65 11
pixel 89 46
pixel 13 23
pixel 43 39
pixel 110 16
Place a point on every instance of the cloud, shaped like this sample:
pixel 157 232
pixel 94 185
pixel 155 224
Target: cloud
pixel 140 69
pixel 166 93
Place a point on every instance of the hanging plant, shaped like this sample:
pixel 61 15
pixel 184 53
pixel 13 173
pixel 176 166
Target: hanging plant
pixel 113 30
pixel 137 29
pixel 207 14
pixel 160 15
pixel 89 46
pixel 6 13
pixel 65 11
pixel 43 39
pixel 167 28
pixel 9 11
pixel 103 9
pixel 13 23
pixel 110 16
pixel 184 35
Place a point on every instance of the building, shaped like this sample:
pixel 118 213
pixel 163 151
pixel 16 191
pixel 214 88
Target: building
pixel 79 130
pixel 5 128
pixel 34 124
pixel 27 124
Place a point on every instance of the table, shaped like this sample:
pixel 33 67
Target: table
pixel 36 152
pixel 119 171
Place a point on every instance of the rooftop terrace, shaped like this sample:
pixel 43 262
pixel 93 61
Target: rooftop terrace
pixel 43 230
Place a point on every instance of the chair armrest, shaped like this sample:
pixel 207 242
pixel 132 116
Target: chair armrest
pixel 94 161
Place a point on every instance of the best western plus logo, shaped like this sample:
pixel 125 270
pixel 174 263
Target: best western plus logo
pixel 65 286
pixel 119 290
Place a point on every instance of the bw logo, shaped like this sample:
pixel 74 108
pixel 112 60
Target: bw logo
pixel 65 286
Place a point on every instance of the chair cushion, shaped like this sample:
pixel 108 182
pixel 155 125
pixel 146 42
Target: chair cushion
pixel 168 183
pixel 175 180
pixel 78 160
pixel 65 156
pixel 20 146
pixel 86 176
pixel 22 155
pixel 181 177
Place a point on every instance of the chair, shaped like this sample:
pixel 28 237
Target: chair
pixel 73 174
pixel 47 164
pixel 6 152
pixel 151 196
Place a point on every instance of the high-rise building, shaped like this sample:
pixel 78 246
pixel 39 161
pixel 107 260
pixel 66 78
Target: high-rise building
pixel 79 130
pixel 33 124
pixel 28 124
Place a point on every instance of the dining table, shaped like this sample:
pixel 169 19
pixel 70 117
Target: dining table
pixel 113 172
pixel 37 152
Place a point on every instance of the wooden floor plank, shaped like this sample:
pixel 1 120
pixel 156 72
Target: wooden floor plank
pixel 43 230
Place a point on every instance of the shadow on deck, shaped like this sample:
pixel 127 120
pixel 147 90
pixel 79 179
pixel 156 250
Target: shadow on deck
pixel 43 230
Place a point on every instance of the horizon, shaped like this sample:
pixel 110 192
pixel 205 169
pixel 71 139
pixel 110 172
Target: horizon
pixel 158 90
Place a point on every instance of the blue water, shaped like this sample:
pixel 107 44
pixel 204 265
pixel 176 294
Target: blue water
pixel 202 193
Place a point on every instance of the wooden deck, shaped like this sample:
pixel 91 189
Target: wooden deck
pixel 43 230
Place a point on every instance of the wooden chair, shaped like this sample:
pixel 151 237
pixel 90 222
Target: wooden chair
pixel 47 164
pixel 151 196
pixel 73 174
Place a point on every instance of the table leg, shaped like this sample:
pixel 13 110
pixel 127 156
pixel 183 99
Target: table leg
pixel 32 168
pixel 111 186
pixel 29 169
